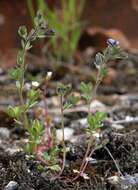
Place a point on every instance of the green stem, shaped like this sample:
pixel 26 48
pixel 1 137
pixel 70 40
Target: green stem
pixel 84 159
pixel 98 81
pixel 63 136
pixel 23 69
pixel 25 119
pixel 87 155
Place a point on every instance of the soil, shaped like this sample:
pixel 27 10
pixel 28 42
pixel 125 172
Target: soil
pixel 23 169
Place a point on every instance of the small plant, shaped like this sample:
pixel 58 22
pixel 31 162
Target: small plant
pixel 20 112
pixel 42 142
pixel 67 25
pixel 112 52
pixel 63 91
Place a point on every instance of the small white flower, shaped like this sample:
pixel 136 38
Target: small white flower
pixel 35 83
pixel 49 75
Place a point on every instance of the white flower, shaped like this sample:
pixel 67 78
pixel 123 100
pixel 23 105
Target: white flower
pixel 49 75
pixel 35 83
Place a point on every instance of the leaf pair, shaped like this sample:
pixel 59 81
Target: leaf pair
pixel 86 91
pixel 35 131
pixel 95 121
pixel 63 90
pixel 32 97
pixel 15 73
pixel 14 112
pixel 71 101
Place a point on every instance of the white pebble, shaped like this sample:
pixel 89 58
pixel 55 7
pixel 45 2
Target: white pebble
pixel 68 133
pixel 12 185
pixel 117 126
pixel 4 133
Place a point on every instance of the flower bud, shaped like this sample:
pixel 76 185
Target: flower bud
pixel 49 75
pixel 112 42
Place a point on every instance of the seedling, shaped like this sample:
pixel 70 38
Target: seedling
pixel 20 112
pixel 112 52
pixel 63 91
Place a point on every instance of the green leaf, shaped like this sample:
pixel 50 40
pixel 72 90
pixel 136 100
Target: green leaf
pixel 33 95
pixel 103 72
pixel 41 34
pixel 15 73
pixel 113 53
pixel 39 20
pixel 46 156
pixel 28 46
pixel 99 60
pixel 63 89
pixel 14 112
pixel 55 167
pixel 20 57
pixel 100 116
pixel 35 131
pixel 18 85
pixel 22 32
pixel 86 90
pixel 23 44
pixel 94 121
pixel 29 147
pixel 32 104
pixel 91 121
pixel 67 105
pixel 71 101
pixel 54 151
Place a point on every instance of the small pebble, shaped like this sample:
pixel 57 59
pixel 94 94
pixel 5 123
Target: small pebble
pixel 98 106
pixel 12 150
pixel 68 134
pixel 12 185
pixel 117 126
pixel 4 133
